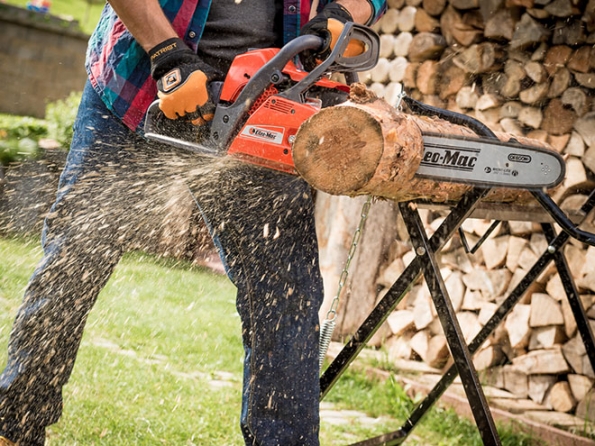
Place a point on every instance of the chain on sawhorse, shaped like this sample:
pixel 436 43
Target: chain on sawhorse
pixel 328 325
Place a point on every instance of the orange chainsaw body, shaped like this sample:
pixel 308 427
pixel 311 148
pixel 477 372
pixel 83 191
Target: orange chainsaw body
pixel 267 136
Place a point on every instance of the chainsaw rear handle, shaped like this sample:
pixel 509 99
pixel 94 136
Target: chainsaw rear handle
pixel 228 119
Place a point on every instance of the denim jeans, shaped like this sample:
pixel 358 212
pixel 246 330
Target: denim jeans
pixel 109 196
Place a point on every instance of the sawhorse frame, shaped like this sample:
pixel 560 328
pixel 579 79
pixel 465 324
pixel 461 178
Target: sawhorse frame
pixel 425 262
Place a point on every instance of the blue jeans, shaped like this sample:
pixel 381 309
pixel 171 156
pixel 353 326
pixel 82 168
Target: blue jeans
pixel 109 196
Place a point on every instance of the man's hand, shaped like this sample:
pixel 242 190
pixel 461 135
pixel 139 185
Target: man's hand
pixel 182 80
pixel 329 24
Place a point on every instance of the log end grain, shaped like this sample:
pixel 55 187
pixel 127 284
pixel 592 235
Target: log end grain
pixel 338 149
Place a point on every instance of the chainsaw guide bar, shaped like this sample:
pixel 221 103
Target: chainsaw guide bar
pixel 487 162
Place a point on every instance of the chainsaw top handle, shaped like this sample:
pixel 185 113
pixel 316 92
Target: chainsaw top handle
pixel 337 62
pixel 228 119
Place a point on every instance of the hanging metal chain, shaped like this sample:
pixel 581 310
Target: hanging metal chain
pixel 328 325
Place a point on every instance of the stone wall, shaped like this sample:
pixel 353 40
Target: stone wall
pixel 41 60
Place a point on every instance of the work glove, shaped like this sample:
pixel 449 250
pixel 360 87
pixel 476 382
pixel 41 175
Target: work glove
pixel 182 82
pixel 328 24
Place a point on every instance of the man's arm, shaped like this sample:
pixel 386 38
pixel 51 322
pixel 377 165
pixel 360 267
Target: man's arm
pixel 360 10
pixel 145 20
pixel 182 78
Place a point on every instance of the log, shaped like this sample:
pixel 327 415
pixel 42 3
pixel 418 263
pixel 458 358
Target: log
pixel 481 58
pixel 539 385
pixel 579 385
pixel 528 32
pixel 488 357
pixel 536 72
pixel 569 32
pixel 516 245
pixel 573 351
pixel 400 321
pixel 585 127
pixel 465 4
pixel 561 398
pixel 467 97
pixel 560 82
pixel 517 326
pixel 576 99
pixel 495 251
pixel 561 8
pixel 424 22
pixel 542 362
pixel 515 381
pixel 545 311
pixel 534 95
pixel 586 80
pixel 546 337
pixel 556 57
pixel 558 119
pixel 437 353
pixel 426 46
pixel 579 61
pixel 402 43
pixel 419 344
pixel 406 19
pixel 427 77
pixel 456 29
pixel 434 7
pixel 365 146
pixel 450 80
pixel 500 25
pixel 531 117
pixel 390 21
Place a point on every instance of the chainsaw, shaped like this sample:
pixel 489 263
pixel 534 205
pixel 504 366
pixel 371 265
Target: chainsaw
pixel 265 98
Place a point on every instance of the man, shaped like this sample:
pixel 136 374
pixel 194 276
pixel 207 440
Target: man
pixel 261 221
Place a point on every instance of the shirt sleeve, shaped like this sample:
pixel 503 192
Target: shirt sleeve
pixel 379 7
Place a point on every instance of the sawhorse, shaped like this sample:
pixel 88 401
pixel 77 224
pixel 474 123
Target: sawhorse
pixel 425 262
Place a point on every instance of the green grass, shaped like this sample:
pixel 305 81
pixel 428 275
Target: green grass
pixel 161 364
pixel 150 362
pixel 87 13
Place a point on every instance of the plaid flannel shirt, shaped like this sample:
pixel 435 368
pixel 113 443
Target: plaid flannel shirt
pixel 119 68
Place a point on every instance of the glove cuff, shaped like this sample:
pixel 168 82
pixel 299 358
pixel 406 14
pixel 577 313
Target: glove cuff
pixel 169 54
pixel 336 11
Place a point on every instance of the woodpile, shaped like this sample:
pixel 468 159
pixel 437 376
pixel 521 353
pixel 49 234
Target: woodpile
pixel 536 355
pixel 525 68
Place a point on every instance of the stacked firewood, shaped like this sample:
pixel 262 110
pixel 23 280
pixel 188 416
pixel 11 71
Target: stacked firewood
pixel 536 354
pixel 527 68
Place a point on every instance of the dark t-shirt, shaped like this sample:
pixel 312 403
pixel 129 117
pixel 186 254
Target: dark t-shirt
pixel 235 26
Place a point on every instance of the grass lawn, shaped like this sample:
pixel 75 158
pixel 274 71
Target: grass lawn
pixel 161 362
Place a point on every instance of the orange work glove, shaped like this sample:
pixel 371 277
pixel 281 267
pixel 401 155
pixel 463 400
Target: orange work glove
pixel 328 25
pixel 182 81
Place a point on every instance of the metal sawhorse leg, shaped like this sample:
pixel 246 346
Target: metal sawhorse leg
pixel 425 263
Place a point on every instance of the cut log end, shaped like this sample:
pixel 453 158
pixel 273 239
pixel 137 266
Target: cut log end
pixel 347 154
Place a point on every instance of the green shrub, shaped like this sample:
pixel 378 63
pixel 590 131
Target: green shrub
pixel 20 135
pixel 60 117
